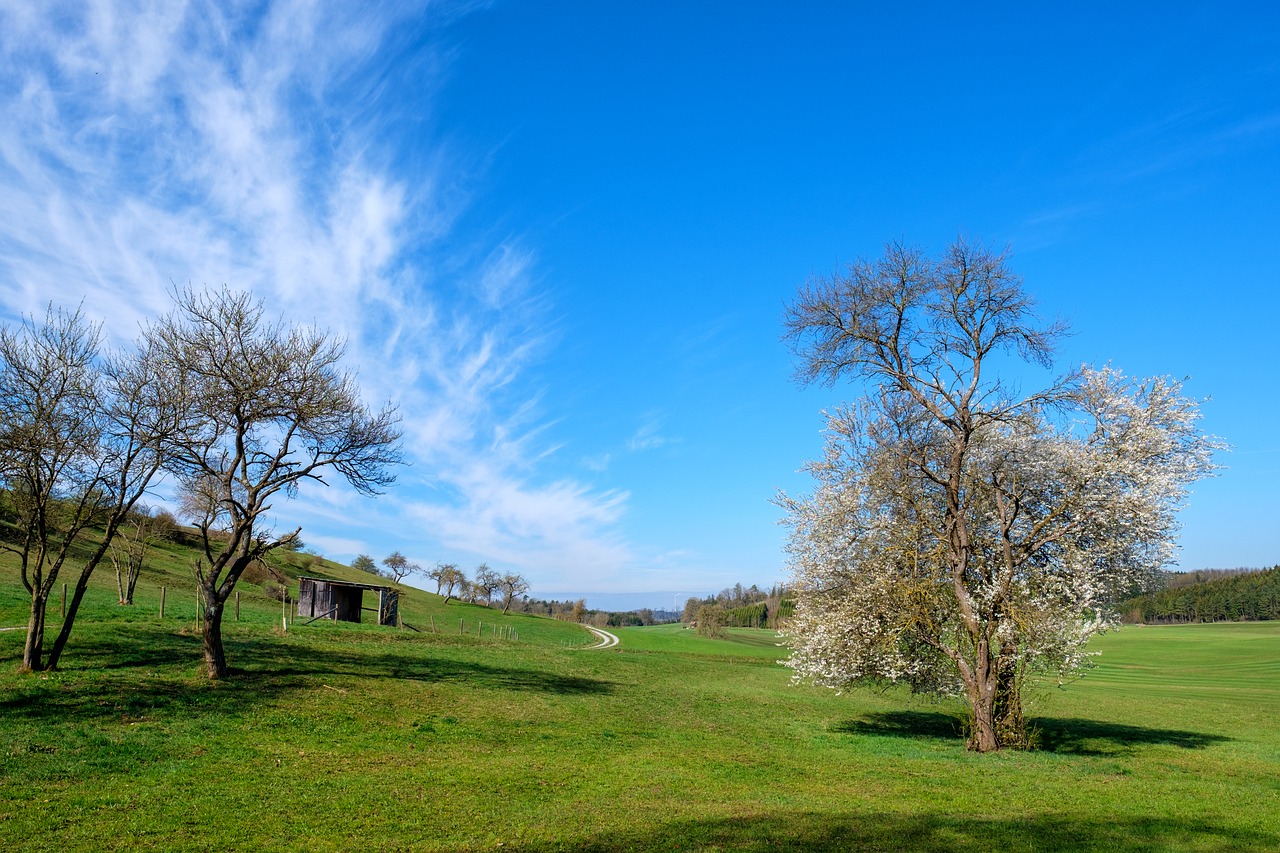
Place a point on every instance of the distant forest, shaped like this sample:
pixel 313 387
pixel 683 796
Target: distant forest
pixel 741 607
pixel 1206 595
pixel 733 607
pixel 1212 595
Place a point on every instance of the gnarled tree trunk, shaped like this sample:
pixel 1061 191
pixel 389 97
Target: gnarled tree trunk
pixel 215 657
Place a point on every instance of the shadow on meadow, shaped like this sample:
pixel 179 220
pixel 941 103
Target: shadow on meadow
pixel 1068 736
pixel 810 831
pixel 145 671
pixel 905 724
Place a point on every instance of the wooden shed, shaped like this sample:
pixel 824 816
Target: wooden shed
pixel 343 601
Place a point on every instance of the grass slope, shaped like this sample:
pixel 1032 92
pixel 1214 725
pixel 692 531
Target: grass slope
pixel 338 737
pixel 169 566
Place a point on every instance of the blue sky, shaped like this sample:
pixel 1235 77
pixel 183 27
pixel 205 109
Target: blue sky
pixel 561 235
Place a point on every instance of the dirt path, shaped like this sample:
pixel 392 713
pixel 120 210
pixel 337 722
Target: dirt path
pixel 607 640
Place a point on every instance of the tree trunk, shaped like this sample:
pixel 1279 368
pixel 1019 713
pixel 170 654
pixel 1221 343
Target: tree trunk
pixel 33 650
pixel 981 686
pixel 983 735
pixel 82 583
pixel 1011 728
pixel 134 572
pixel 215 657
pixel 996 699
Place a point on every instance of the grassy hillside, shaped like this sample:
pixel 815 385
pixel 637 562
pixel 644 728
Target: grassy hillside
pixel 340 737
pixel 169 566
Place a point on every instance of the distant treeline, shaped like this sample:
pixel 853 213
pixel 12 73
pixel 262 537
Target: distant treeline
pixel 577 611
pixel 733 607
pixel 643 616
pixel 1213 595
pixel 1176 580
pixel 741 607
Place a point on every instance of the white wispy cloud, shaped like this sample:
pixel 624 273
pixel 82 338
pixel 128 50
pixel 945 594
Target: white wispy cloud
pixel 558 530
pixel 648 436
pixel 153 144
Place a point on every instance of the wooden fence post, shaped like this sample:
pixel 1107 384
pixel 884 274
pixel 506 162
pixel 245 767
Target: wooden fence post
pixel 461 623
pixel 64 601
pixel 162 592
pixel 237 605
pixel 433 624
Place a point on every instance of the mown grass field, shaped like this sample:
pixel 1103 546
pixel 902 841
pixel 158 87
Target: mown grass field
pixel 337 737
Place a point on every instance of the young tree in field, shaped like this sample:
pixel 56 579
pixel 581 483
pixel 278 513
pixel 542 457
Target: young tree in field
pixel 365 563
pixel 138 533
pixel 79 442
pixel 447 577
pixel 49 440
pixel 465 590
pixel 399 567
pixel 437 575
pixel 485 583
pixel 271 408
pixel 510 587
pixel 963 535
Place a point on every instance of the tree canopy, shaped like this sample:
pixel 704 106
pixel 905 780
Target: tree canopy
pixel 963 534
pixel 269 407
pixel 81 438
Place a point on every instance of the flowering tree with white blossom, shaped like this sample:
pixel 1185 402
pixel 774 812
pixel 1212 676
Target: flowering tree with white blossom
pixel 963 535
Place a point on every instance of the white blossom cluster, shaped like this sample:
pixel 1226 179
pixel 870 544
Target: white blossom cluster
pixel 1062 508
pixel 964 535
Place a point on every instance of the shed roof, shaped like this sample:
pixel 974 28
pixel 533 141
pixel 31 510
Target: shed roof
pixel 348 584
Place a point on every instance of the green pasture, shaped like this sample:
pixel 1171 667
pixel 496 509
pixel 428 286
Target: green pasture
pixel 677 639
pixel 340 737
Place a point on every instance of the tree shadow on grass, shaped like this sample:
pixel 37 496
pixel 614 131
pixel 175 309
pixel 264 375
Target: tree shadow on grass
pixel 931 725
pixel 267 659
pixel 1095 737
pixel 813 831
pixel 131 674
pixel 1052 734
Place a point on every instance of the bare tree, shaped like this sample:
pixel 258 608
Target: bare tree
pixel 138 533
pixel 79 444
pixel 399 567
pixel 485 583
pixel 511 586
pixel 466 592
pixel 48 450
pixel 271 408
pixel 448 578
pixel 437 575
pixel 964 534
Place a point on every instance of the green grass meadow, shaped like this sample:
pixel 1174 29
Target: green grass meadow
pixel 352 737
